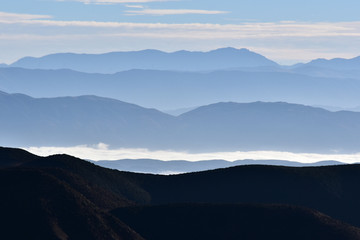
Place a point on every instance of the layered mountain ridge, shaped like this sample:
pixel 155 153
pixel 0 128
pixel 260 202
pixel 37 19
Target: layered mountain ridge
pixel 173 89
pixel 181 166
pixel 147 59
pixel 71 121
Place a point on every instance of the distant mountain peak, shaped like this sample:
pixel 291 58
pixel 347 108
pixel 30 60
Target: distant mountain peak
pixel 234 51
pixel 336 63
pixel 222 58
pixel 230 49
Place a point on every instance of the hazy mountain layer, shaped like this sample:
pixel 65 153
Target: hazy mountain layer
pixel 70 121
pixel 181 166
pixel 80 120
pixel 220 59
pixel 337 64
pixel 148 59
pixel 172 90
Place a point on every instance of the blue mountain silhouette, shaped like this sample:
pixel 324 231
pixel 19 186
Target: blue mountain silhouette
pixel 147 59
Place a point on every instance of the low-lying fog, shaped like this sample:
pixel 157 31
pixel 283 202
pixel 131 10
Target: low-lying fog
pixel 102 152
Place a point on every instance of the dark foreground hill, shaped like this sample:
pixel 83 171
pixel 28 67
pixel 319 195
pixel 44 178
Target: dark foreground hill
pixel 234 221
pixel 61 197
pixel 36 204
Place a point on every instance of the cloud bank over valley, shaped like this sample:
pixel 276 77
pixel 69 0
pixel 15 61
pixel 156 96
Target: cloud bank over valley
pixel 102 152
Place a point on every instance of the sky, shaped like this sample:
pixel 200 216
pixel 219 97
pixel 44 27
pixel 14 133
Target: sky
pixel 282 30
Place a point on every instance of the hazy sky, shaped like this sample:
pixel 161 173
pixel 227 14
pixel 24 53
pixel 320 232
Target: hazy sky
pixel 285 31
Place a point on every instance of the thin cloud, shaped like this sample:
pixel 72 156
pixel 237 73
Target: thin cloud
pixel 101 152
pixel 304 40
pixel 100 2
pixel 134 6
pixel 199 30
pixel 161 12
pixel 18 17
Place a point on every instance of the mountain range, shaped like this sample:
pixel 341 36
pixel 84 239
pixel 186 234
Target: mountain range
pixel 181 166
pixel 219 59
pixel 70 121
pixel 168 90
pixel 337 64
pixel 62 197
pixel 147 59
pixel 244 101
pixel 226 126
pixel 148 77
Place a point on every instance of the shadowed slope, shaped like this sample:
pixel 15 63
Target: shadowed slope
pixel 241 221
pixel 12 157
pixel 106 188
pixel 65 194
pixel 331 190
pixel 37 205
